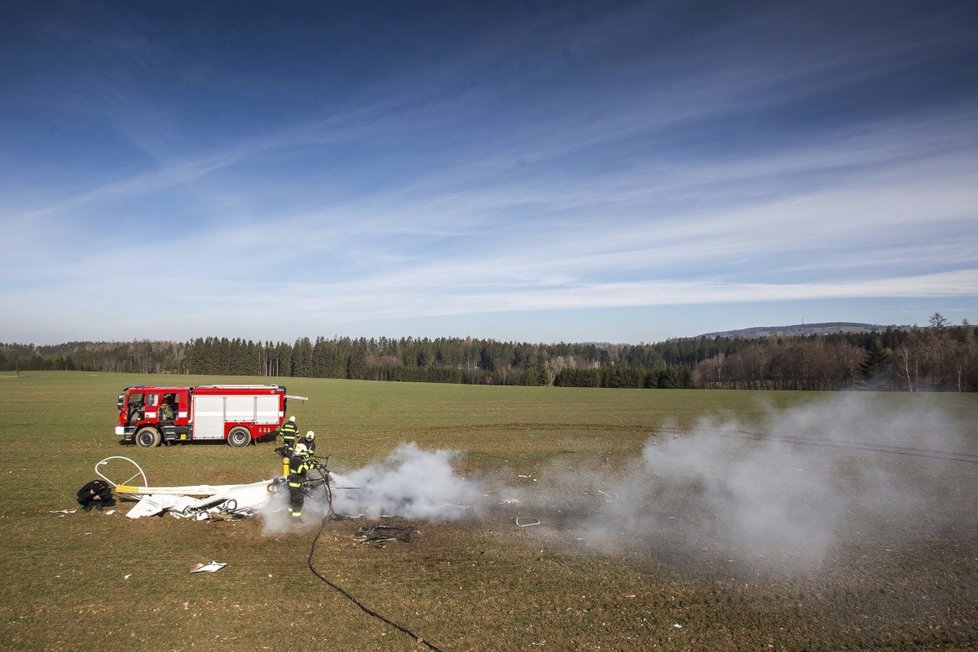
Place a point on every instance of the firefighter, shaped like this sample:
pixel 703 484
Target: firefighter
pixel 166 411
pixel 298 466
pixel 309 439
pixel 289 431
pixel 95 494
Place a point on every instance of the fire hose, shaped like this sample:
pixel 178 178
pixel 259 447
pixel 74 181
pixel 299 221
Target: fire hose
pixel 323 480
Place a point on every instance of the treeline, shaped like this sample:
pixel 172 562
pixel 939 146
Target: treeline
pixel 936 358
pixel 142 357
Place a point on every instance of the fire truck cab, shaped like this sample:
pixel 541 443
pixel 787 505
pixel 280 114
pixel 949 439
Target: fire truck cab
pixel 238 414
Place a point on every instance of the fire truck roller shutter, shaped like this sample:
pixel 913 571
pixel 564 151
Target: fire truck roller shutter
pixel 266 410
pixel 239 408
pixel 208 417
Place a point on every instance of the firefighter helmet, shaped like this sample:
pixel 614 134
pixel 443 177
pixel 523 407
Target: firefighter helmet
pixel 310 435
pixel 292 418
pixel 301 450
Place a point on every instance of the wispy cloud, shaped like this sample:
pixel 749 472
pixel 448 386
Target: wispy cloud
pixel 588 159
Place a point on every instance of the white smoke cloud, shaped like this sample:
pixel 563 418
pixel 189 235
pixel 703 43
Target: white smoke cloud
pixel 782 491
pixel 275 515
pixel 410 483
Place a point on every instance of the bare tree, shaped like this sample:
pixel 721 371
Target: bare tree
pixel 908 366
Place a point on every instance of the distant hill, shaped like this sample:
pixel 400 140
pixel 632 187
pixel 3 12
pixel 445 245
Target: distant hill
pixel 801 330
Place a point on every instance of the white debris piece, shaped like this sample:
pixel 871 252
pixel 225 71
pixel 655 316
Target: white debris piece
pixel 243 499
pixel 212 567
pixel 154 504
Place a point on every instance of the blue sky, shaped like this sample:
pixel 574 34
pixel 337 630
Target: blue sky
pixel 531 171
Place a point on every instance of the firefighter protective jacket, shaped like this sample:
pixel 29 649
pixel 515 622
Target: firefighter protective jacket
pixel 289 432
pixel 297 470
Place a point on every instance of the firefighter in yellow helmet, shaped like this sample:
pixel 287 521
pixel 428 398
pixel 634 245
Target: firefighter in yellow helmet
pixel 298 466
pixel 309 439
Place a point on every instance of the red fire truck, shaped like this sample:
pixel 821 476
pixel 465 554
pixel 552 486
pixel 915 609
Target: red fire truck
pixel 237 414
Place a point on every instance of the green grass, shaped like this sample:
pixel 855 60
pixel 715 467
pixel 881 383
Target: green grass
pixel 477 585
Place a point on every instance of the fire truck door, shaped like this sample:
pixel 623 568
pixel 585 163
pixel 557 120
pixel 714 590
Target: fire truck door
pixel 208 417
pixel 266 410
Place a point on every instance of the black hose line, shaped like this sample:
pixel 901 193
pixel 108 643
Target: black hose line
pixel 312 550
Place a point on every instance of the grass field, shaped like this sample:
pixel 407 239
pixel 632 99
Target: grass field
pixel 658 530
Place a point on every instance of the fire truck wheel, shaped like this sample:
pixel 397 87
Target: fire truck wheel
pixel 239 437
pixel 147 437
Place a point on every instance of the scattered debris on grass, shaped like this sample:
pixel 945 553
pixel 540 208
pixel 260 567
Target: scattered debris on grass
pixel 212 567
pixel 607 496
pixel 522 521
pixel 378 534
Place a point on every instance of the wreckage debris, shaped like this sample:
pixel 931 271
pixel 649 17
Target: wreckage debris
pixel 606 496
pixel 202 502
pixel 212 567
pixel 383 533
pixel 191 501
pixel 526 522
